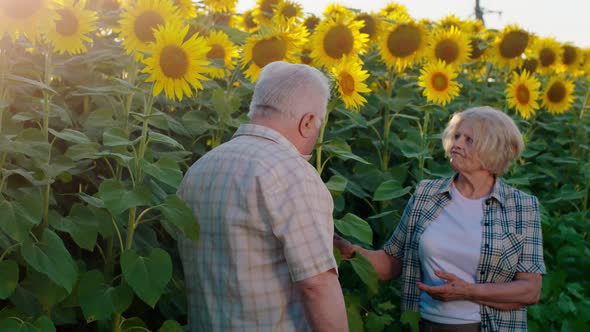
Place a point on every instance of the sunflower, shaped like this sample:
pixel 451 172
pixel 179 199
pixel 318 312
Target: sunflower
pixel 558 95
pixel 449 45
pixel 530 64
pixel 248 22
pixel 450 21
pixel 223 50
pixel 186 8
pixel 402 44
pixel 478 47
pixel 141 19
pixel 274 45
pixel 522 93
pixel 305 55
pixel 373 25
pixel 336 11
pixel 25 17
pixel 69 31
pixel 220 6
pixel 571 57
pixel 395 12
pixel 311 22
pixel 176 64
pixel 547 51
pixel 437 79
pixel 264 11
pixel 350 77
pixel 510 45
pixel 289 11
pixel 335 39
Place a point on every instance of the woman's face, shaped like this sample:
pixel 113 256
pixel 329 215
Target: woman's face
pixel 463 158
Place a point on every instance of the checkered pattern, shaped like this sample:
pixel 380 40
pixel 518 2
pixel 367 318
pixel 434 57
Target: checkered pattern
pixel 266 222
pixel 512 242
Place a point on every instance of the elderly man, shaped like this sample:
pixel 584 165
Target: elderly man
pixel 264 261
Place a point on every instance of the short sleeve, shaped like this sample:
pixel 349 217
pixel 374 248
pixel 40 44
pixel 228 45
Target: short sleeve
pixel 300 213
pixel 531 258
pixel 395 245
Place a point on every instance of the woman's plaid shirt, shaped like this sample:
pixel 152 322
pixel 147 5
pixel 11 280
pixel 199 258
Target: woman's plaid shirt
pixel 512 242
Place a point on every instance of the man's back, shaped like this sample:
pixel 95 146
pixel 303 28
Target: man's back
pixel 265 219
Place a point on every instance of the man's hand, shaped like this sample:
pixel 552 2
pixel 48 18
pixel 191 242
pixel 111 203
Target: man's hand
pixel 455 288
pixel 346 248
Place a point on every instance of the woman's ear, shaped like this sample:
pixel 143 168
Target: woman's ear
pixel 307 125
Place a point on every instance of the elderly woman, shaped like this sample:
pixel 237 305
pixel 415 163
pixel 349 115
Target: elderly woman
pixel 468 248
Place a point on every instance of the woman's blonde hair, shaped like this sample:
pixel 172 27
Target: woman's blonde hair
pixel 497 140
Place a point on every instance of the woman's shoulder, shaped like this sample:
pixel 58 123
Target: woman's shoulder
pixel 511 193
pixel 433 186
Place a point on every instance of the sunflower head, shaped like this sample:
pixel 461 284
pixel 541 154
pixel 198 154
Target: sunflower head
pixel 25 17
pixel 522 93
pixel 438 80
pixel 402 44
pixel 449 45
pixel 248 21
pixel 69 31
pixel 219 6
pixel 558 95
pixel 222 51
pixel 264 11
pixel 451 21
pixel 547 51
pixel 288 10
pixel 530 64
pixel 337 12
pixel 311 22
pixel 336 39
pixel 478 47
pixel 571 57
pixel 272 45
pixel 394 11
pixel 510 45
pixel 141 19
pixel 176 65
pixel 372 25
pixel 350 78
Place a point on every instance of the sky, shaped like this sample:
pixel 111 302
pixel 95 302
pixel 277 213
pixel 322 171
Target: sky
pixel 564 20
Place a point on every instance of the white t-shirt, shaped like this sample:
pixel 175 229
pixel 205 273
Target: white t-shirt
pixel 452 243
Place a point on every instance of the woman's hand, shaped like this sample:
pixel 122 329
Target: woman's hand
pixel 346 248
pixel 455 288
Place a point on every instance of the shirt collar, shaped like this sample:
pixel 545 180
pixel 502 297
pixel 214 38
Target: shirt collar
pixel 498 192
pixel 249 129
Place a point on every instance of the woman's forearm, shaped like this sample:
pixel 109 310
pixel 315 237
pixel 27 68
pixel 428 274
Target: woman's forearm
pixel 387 267
pixel 525 289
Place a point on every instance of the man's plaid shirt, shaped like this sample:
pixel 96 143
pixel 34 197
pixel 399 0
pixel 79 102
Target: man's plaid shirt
pixel 511 242
pixel 266 222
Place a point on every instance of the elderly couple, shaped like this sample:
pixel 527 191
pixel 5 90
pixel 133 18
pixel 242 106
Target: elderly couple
pixel 468 248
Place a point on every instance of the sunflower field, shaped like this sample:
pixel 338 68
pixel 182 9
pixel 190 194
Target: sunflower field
pixel 105 103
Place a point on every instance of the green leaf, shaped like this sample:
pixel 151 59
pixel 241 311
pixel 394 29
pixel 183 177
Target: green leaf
pixel 50 257
pixel 71 135
pixel 412 149
pixel 157 137
pixel 412 318
pixel 352 225
pixel 221 104
pixel 171 326
pixel 29 81
pixel 82 151
pixel 376 323
pixel 120 157
pixel 176 212
pixel 353 309
pixel 133 324
pixel 117 137
pixel 45 291
pixel 366 272
pixel 342 150
pixel 337 184
pixel 165 170
pixel 100 118
pixel 8 278
pixel 81 224
pixel 18 218
pixel 389 190
pixel 98 299
pixel 566 304
pixel 147 275
pixel 44 324
pixel 117 199
pixel 13 325
pixel 93 201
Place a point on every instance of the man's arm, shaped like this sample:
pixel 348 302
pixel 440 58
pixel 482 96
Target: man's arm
pixel 323 302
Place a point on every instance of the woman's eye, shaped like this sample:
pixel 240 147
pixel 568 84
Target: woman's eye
pixel 469 140
pixel 457 136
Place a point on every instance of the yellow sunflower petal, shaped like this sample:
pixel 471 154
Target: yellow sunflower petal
pixel 350 77
pixel 70 30
pixel 522 94
pixel 402 44
pixel 449 45
pixel 558 95
pixel 336 39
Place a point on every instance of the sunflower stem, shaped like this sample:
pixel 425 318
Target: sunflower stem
pixel 46 111
pixel 424 137
pixel 387 126
pixel 319 145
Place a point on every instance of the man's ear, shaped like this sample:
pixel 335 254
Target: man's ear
pixel 307 125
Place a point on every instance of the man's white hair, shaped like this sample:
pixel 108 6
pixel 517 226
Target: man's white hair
pixel 290 90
